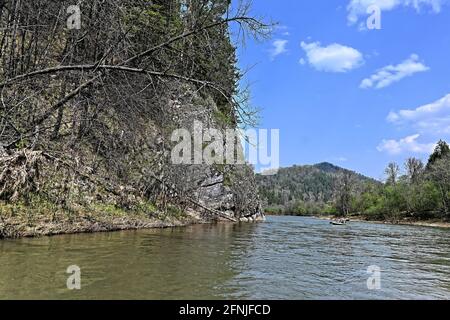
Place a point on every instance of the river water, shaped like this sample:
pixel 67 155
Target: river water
pixel 284 258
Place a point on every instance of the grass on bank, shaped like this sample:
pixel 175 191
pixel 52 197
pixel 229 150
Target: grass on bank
pixel 39 216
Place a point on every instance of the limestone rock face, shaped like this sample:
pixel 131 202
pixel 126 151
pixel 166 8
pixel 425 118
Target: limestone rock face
pixel 228 188
pixel 235 201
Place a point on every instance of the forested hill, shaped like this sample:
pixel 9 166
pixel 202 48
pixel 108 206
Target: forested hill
pixel 307 189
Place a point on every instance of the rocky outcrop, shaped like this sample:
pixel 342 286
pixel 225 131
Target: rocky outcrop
pixel 228 188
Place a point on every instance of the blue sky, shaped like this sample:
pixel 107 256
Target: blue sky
pixel 342 93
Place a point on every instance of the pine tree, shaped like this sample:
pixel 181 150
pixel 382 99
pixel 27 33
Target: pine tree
pixel 442 149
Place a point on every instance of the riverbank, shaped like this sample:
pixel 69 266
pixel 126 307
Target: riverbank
pixel 431 223
pixel 20 222
pixel 406 222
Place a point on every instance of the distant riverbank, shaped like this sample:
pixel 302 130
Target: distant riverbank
pixel 406 221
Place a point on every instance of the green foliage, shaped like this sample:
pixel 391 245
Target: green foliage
pixel 442 149
pixel 223 118
pixel 109 209
pixel 422 194
pixel 425 197
pixel 326 189
pixel 308 190
pixel 394 200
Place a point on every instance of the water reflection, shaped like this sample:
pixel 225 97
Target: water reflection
pixel 285 258
pixel 151 264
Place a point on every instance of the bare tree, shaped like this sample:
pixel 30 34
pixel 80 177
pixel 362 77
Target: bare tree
pixel 345 191
pixel 414 168
pixel 392 172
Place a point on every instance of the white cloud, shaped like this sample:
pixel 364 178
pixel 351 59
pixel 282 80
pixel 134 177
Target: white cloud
pixel 333 58
pixel 408 144
pixel 279 47
pixel 430 121
pixel 390 74
pixel 433 118
pixel 358 8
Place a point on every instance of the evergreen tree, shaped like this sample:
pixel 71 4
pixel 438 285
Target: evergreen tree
pixel 442 149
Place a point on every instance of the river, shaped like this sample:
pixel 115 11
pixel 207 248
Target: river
pixel 284 258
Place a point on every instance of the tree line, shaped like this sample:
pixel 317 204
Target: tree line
pixel 414 190
pixel 420 191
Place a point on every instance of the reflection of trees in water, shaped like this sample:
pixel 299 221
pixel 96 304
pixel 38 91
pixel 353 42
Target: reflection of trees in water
pixel 191 262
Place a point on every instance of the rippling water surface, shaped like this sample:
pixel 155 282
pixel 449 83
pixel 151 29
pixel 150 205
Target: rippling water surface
pixel 285 258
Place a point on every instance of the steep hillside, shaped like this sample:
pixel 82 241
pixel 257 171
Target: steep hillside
pixel 90 103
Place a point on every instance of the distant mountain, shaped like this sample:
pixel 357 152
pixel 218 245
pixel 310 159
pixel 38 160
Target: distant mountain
pixel 310 188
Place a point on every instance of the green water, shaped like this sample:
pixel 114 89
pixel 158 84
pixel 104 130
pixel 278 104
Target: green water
pixel 285 258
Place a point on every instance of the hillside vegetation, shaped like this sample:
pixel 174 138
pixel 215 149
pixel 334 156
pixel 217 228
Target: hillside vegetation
pixel 305 190
pixel 419 192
